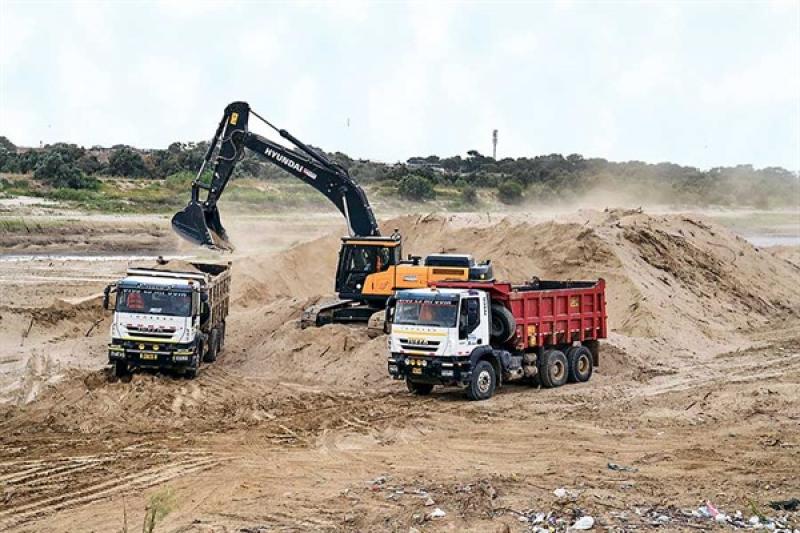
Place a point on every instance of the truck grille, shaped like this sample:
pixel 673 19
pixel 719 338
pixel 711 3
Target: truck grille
pixel 419 345
pixel 161 333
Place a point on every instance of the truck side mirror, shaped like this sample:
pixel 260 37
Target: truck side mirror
pixel 106 296
pixel 390 306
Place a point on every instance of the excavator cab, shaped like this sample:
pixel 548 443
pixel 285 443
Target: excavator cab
pixel 360 257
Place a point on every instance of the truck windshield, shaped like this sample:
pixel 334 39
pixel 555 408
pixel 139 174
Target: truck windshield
pixel 154 302
pixel 439 313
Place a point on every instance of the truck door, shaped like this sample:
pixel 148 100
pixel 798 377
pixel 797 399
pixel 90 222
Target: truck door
pixel 469 318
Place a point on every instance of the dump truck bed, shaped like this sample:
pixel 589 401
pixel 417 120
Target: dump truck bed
pixel 548 312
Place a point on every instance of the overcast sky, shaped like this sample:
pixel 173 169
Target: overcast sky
pixel 698 83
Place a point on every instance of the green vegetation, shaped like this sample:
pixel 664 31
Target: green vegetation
pixel 159 505
pixel 509 192
pixel 123 178
pixel 415 187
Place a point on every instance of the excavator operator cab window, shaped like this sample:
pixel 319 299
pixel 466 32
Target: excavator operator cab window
pixel 370 258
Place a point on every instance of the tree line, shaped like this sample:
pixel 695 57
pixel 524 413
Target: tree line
pixel 543 178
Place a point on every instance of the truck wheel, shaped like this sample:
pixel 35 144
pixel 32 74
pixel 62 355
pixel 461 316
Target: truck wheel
pixel 213 346
pixel 190 373
pixel 483 382
pixel 580 363
pixel 503 323
pixel 221 338
pixel 121 369
pixel 553 371
pixel 420 389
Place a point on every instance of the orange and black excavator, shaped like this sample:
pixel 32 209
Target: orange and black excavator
pixel 371 267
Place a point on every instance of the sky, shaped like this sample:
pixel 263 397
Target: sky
pixel 697 83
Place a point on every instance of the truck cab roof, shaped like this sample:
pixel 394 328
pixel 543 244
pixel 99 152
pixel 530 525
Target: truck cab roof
pixel 133 282
pixel 431 294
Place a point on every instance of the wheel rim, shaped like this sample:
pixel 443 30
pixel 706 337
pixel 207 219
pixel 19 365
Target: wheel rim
pixel 583 365
pixel 557 370
pixel 484 381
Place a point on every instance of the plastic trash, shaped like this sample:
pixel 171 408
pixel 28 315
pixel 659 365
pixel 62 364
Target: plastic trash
pixel 429 502
pixel 583 523
pixel 621 468
pixel 438 513
pixel 560 492
pixel 785 505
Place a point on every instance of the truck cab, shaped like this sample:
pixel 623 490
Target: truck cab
pixel 439 336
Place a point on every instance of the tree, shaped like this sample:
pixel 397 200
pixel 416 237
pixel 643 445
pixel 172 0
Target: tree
pixel 126 162
pixel 416 188
pixel 8 145
pixel 54 170
pixel 509 192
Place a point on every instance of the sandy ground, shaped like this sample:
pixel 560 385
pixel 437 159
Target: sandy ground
pixel 294 430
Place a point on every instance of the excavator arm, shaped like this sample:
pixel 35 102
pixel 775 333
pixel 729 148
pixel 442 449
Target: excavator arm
pixel 199 222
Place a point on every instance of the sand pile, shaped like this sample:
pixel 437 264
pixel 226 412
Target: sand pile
pixel 676 285
pixel 270 343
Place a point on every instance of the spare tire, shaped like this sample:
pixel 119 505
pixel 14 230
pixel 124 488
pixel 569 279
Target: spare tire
pixel 503 323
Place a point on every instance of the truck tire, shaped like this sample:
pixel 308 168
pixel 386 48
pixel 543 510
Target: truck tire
pixel 213 347
pixel 553 369
pixel 420 389
pixel 579 359
pixel 121 369
pixel 503 323
pixel 483 382
pixel 221 338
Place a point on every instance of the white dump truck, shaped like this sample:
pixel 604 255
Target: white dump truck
pixel 478 335
pixel 169 316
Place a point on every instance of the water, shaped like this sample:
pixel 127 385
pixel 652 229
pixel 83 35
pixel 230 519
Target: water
pixel 764 241
pixel 97 258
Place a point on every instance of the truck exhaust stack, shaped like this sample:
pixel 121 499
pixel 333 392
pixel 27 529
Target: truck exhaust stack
pixel 202 226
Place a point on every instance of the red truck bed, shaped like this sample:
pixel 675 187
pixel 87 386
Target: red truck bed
pixel 548 312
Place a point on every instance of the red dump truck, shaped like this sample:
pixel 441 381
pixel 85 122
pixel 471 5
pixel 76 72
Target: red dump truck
pixel 477 335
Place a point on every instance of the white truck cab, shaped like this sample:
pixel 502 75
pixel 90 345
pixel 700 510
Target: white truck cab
pixel 443 336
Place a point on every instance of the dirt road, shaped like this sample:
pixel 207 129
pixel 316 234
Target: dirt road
pixel 294 431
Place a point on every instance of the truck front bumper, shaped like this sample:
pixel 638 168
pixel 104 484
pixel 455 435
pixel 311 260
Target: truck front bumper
pixel 147 354
pixel 431 369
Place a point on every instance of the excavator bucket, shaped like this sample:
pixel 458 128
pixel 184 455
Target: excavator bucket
pixel 201 226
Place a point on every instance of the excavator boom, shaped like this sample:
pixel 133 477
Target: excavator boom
pixel 199 222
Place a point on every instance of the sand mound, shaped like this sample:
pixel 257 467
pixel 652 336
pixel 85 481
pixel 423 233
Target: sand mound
pixel 333 355
pixel 676 285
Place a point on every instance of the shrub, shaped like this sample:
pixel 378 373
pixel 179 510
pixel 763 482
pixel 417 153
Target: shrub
pixel 53 170
pixel 126 162
pixel 416 188
pixel 469 195
pixel 509 192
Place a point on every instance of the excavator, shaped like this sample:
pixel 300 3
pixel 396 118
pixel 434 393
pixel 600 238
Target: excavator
pixel 370 268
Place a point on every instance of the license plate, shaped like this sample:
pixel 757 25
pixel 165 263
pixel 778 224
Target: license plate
pixel 149 356
pixel 416 371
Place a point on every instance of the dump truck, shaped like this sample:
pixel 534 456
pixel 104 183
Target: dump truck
pixel 478 335
pixel 170 316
